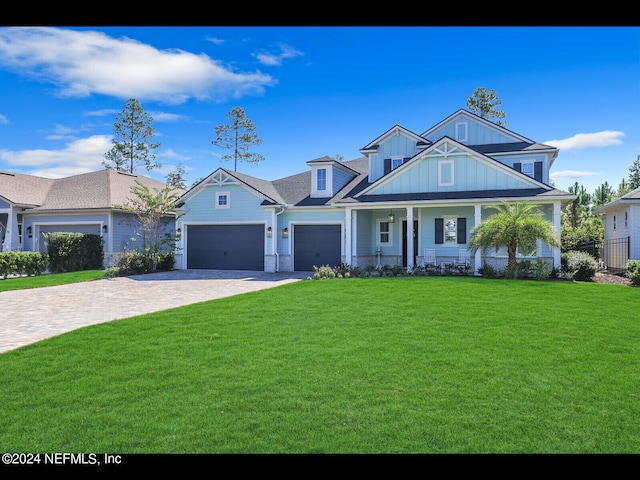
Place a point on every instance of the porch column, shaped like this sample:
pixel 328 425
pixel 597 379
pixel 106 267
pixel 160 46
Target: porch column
pixel 410 234
pixel 477 220
pixel 557 226
pixel 347 245
pixel 11 237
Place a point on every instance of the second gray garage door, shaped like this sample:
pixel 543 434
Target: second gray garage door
pixel 316 245
pixel 225 247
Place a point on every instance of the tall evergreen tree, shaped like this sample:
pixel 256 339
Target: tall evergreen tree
pixel 238 136
pixel 176 179
pixel 634 174
pixel 602 195
pixel 485 103
pixel 132 135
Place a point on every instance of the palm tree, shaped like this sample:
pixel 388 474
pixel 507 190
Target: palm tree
pixel 514 226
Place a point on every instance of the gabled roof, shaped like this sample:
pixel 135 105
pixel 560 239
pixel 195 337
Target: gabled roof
pixel 102 189
pixel 633 197
pixel 478 118
pixel 24 190
pixel 396 129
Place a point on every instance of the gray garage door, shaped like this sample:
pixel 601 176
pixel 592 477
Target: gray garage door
pixel 225 247
pixel 315 245
pixel 93 229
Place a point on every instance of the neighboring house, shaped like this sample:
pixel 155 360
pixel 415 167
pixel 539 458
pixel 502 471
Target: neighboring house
pixel 621 231
pixel 86 203
pixel 430 188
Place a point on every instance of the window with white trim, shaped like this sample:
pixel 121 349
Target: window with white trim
pixel 445 173
pixel 322 179
pixel 222 200
pixel 461 131
pixel 450 231
pixel 384 233
pixel 396 162
pixel 528 169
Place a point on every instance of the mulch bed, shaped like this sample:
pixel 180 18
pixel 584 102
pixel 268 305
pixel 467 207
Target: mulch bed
pixel 602 277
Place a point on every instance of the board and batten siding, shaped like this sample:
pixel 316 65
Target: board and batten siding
pixel 395 145
pixel 469 174
pixel 477 133
pixel 244 206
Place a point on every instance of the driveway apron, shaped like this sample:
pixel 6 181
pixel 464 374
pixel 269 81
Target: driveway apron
pixel 32 315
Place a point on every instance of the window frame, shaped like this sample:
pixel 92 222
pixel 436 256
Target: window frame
pixel 529 164
pixel 450 164
pixel 380 233
pixel 462 131
pixel 396 162
pixel 226 196
pixel 321 179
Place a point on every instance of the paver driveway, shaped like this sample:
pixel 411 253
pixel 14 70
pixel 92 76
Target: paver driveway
pixel 28 316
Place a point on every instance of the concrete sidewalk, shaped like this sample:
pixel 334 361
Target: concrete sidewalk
pixel 28 316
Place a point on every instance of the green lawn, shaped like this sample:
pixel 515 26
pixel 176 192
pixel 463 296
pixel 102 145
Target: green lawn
pixel 49 280
pixel 386 365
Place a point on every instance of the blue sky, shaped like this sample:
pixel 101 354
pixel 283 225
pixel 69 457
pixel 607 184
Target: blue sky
pixel 314 91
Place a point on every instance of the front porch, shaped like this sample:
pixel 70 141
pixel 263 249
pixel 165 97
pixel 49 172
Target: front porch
pixel 380 236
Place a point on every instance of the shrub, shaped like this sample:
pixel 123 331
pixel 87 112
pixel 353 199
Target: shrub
pixel 130 263
pixel 632 271
pixel 23 263
pixel 490 271
pixel 579 266
pixel 542 269
pixel 72 252
pixel 323 272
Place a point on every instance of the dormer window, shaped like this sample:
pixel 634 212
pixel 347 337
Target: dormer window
pixel 396 162
pixel 322 179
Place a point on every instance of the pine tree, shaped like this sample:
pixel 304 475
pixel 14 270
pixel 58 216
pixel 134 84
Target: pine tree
pixel 485 103
pixel 131 140
pixel 238 136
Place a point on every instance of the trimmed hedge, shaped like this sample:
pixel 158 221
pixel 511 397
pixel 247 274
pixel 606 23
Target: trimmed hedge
pixel 23 263
pixel 73 252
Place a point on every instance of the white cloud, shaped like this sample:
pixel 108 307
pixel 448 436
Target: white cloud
pixel 4 120
pixel 276 59
pixel 89 62
pixel 571 174
pixel 215 40
pixel 80 156
pixel 588 140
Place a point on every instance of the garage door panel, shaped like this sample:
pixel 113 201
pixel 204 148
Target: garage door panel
pixel 316 245
pixel 225 247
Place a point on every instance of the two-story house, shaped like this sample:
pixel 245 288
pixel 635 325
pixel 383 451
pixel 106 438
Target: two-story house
pixel 409 193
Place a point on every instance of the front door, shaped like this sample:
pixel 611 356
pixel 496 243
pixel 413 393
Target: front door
pixel 404 242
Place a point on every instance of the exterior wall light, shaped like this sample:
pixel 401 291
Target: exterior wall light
pixel 269 232
pixel 29 232
pixel 105 229
pixel 285 232
pixel 179 232
pixel 392 217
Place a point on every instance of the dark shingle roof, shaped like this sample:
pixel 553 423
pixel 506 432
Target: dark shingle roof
pixel 463 195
